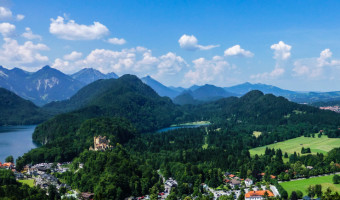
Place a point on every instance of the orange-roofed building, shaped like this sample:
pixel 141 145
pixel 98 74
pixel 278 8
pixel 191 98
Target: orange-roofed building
pixel 231 175
pixel 7 164
pixel 258 195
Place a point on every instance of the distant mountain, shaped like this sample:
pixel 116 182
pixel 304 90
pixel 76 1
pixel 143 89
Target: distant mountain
pixel 266 89
pixel 194 87
pixel 178 89
pixel 15 110
pixel 185 98
pixel 43 86
pixel 161 89
pixel 89 75
pixel 201 94
pixel 210 93
pixel 312 97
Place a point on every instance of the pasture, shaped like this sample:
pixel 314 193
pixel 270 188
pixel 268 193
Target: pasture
pixel 317 145
pixel 302 185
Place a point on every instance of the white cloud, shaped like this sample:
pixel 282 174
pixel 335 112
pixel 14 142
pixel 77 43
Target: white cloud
pixel 237 51
pixel 278 71
pixel 315 67
pixel 20 17
pixel 208 71
pixel 190 42
pixel 5 13
pixel 116 41
pixel 6 29
pixel 26 55
pixel 281 55
pixel 138 61
pixel 281 50
pixel 73 31
pixel 170 64
pixel 324 58
pixel 74 55
pixel 29 34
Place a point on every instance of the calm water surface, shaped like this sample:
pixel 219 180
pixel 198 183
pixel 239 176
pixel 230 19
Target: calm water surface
pixel 15 141
pixel 178 127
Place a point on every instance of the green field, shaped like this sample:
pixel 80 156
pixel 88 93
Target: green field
pixel 302 185
pixel 29 182
pixel 317 145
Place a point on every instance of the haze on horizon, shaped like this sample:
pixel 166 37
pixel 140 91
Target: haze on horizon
pixel 289 44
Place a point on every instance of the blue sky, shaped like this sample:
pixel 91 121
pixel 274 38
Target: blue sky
pixel 290 44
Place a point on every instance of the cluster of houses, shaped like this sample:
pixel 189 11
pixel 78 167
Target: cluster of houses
pixel 7 165
pixel 100 144
pixel 332 108
pixel 42 174
pixel 235 182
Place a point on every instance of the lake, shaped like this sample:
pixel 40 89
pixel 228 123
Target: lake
pixel 181 126
pixel 15 141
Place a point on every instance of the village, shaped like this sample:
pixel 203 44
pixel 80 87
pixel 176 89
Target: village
pixel 44 175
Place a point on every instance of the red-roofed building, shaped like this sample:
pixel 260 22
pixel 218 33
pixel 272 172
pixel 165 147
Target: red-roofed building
pixel 258 195
pixel 8 165
pixel 231 175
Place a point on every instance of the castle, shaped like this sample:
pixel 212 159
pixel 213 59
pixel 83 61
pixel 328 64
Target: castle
pixel 100 144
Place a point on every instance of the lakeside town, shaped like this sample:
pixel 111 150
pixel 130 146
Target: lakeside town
pixel 45 175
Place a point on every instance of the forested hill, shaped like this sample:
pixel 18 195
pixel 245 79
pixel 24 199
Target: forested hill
pixel 258 108
pixel 15 110
pixel 126 97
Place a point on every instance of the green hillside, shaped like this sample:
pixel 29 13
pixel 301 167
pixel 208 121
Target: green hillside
pixel 15 110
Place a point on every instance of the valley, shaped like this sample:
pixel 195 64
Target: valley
pixel 208 148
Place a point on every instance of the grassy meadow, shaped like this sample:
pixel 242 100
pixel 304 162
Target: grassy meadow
pixel 302 185
pixel 317 145
pixel 29 182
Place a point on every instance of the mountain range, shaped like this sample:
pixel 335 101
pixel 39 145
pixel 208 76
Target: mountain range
pixel 47 84
pixel 51 85
pixel 89 75
pixel 199 94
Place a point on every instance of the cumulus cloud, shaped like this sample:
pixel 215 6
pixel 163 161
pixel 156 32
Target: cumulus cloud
pixel 190 42
pixel 208 71
pixel 170 64
pixel 116 41
pixel 138 61
pixel 315 67
pixel 237 51
pixel 26 55
pixel 74 55
pixel 70 30
pixel 29 34
pixel 281 50
pixel 6 29
pixel 5 13
pixel 281 55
